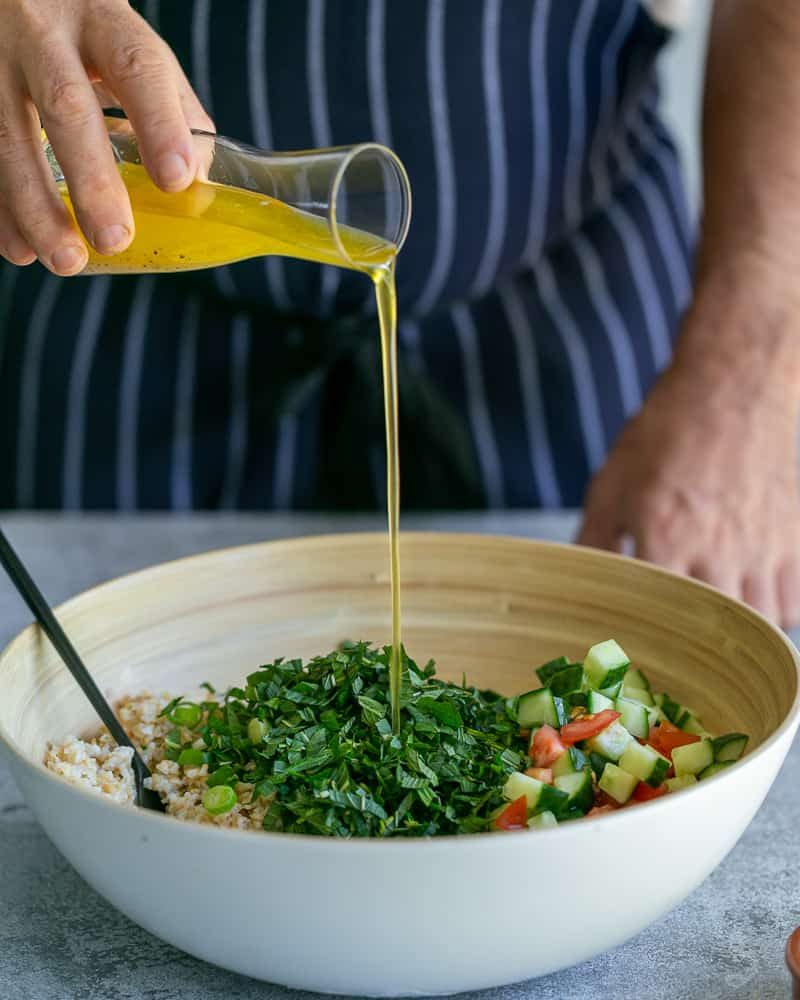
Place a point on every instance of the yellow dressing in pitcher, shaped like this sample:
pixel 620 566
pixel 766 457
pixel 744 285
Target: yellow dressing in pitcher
pixel 211 224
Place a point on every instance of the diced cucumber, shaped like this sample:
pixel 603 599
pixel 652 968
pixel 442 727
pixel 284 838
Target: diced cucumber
pixel 679 715
pixel 635 678
pixel 542 821
pixel 578 787
pixel 617 783
pixel 644 763
pixel 546 671
pixel 715 768
pixel 605 664
pixel 633 717
pixel 685 781
pixel 596 702
pixel 575 698
pixel 541 706
pixel 672 709
pixel 570 762
pixel 691 724
pixel 694 758
pixel 611 742
pixel 612 692
pixel 597 762
pixel 571 814
pixel 539 795
pixel 567 680
pixel 659 699
pixel 633 693
pixel 655 716
pixel 729 747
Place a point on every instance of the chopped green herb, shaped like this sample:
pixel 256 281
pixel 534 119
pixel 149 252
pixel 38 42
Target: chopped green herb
pixel 315 740
pixel 191 757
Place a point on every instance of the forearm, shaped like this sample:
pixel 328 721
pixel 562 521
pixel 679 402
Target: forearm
pixel 745 319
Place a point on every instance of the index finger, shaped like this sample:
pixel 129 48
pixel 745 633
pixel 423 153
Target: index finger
pixel 74 125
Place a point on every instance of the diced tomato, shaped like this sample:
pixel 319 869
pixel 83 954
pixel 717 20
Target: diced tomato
pixel 665 738
pixel 546 747
pixel 514 816
pixel 587 726
pixel 644 792
pixel 599 811
pixel 541 774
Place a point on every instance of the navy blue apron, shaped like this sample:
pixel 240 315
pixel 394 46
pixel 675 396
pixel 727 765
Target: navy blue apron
pixel 540 289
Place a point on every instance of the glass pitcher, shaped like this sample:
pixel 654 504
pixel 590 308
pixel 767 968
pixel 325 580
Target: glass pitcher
pixel 348 206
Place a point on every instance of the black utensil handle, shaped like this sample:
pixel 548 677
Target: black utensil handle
pixel 33 597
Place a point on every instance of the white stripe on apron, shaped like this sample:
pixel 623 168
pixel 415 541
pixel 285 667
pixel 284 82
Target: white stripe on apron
pixel 443 155
pixel 200 56
pixel 77 403
pixel 541 455
pixel 129 396
pixel 29 390
pixel 496 143
pixel 8 279
pixel 237 435
pixel 621 350
pixel 540 131
pixel 320 125
pixel 151 13
pixel 576 134
pixel 656 325
pixel 376 72
pixel 409 336
pixel 586 398
pixel 285 454
pixel 598 158
pixel 183 422
pixel 258 92
pixel 480 419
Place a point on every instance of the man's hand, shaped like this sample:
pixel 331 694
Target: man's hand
pixel 55 56
pixel 705 478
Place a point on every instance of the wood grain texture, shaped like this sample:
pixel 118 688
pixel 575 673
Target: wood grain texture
pixel 490 607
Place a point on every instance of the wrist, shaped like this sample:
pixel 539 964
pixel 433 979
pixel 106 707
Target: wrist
pixel 742 331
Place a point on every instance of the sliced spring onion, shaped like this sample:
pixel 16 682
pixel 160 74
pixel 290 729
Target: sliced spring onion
pixel 256 730
pixel 186 714
pixel 219 799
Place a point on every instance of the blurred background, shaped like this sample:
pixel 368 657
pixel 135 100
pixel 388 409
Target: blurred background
pixel 682 73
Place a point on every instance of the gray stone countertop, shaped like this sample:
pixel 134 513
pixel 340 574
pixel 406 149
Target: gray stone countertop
pixel 60 941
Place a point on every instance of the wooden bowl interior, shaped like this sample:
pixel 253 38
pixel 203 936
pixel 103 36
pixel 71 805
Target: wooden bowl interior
pixel 492 608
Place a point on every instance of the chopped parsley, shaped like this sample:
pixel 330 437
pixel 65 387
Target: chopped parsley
pixel 315 740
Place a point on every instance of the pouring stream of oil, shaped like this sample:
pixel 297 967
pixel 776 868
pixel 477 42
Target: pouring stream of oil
pixel 209 225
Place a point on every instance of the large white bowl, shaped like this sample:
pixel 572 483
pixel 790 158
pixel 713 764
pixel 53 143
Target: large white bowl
pixel 402 916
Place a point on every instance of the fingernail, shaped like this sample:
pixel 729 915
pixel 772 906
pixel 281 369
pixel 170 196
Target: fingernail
pixel 112 238
pixel 173 170
pixel 69 259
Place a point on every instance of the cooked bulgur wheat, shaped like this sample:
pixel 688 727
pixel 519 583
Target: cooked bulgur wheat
pixel 100 765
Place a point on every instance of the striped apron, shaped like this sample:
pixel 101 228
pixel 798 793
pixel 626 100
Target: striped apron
pixel 545 272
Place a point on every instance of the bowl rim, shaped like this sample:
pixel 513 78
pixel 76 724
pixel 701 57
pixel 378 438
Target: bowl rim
pixel 445 841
